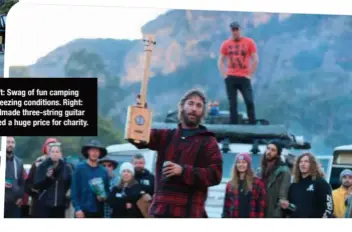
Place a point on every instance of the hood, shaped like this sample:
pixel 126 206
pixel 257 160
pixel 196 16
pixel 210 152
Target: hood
pixel 47 141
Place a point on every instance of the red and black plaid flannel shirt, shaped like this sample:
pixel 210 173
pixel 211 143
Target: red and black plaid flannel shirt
pixel 184 196
pixel 257 202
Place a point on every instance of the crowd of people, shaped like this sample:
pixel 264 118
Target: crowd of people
pixel 188 163
pixel 92 189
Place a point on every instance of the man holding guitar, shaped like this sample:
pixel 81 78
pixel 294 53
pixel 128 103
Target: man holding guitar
pixel 241 53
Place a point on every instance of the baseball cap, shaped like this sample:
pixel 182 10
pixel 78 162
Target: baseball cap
pixel 234 25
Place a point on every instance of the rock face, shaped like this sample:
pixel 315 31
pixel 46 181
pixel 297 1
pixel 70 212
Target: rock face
pixel 303 80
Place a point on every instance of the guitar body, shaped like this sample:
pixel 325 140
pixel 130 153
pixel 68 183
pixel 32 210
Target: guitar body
pixel 139 117
pixel 138 124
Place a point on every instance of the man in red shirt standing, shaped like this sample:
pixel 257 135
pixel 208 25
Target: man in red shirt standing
pixel 241 53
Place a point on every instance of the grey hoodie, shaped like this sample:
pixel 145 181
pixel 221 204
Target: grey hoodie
pixel 14 172
pixel 348 213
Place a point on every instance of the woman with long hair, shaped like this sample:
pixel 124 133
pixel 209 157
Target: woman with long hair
pixel 309 195
pixel 53 179
pixel 245 194
pixel 127 199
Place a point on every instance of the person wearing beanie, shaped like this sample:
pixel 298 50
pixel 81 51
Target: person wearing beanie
pixel 309 195
pixel 341 194
pixel 127 198
pixel 29 184
pixel 276 177
pixel 242 59
pixel 245 194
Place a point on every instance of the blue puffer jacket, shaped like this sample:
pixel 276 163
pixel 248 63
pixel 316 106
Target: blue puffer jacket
pixel 53 190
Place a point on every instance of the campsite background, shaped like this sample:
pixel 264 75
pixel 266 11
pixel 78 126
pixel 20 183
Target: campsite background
pixel 303 80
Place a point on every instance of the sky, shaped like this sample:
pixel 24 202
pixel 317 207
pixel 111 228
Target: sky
pixel 35 30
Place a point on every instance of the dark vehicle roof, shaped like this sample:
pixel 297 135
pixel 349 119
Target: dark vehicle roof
pixel 248 134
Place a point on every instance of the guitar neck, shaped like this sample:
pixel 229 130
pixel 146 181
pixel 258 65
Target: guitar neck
pixel 145 80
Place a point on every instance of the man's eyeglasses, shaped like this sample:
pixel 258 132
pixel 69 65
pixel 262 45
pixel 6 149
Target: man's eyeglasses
pixel 235 29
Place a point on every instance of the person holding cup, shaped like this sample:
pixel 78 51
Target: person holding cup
pixel 14 182
pixel 90 183
pixel 53 179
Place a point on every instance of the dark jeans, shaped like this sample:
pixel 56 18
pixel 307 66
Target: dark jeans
pixel 12 211
pixel 93 215
pixel 234 83
pixel 52 212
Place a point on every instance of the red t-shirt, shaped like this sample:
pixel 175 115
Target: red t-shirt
pixel 239 55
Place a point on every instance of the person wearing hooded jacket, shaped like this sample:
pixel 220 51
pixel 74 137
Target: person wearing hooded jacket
pixel 309 195
pixel 277 179
pixel 53 179
pixel 29 184
pixel 142 175
pixel 86 202
pixel 123 199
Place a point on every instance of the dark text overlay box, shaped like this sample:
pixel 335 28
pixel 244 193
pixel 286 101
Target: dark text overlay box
pixel 48 106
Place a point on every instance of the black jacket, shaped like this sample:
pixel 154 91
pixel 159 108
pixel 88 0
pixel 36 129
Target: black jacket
pixel 312 198
pixel 146 179
pixel 119 197
pixel 53 190
pixel 15 173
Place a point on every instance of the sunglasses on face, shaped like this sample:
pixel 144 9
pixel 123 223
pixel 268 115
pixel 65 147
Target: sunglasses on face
pixel 108 165
pixel 235 29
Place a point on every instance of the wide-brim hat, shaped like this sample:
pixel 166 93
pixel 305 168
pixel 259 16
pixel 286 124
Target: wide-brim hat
pixel 108 159
pixel 94 144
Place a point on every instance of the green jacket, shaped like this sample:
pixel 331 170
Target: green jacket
pixel 277 188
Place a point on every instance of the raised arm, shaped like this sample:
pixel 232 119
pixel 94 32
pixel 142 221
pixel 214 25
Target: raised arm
pixel 41 180
pixel 207 176
pixel 158 138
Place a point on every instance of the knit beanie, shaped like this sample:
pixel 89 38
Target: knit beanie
pixel 278 146
pixel 244 156
pixel 127 166
pixel 346 172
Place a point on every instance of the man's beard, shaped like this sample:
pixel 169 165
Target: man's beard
pixel 269 158
pixel 139 170
pixel 189 122
pixel 346 185
pixel 9 152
